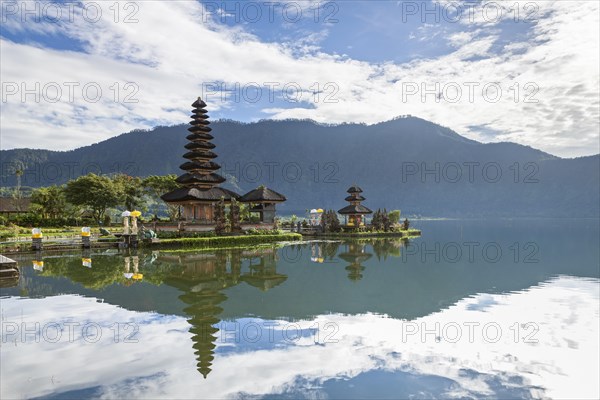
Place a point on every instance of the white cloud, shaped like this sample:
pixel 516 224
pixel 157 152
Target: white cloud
pixel 176 46
pixel 461 38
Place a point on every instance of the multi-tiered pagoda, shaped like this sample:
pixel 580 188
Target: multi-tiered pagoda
pixel 355 254
pixel 355 212
pixel 200 189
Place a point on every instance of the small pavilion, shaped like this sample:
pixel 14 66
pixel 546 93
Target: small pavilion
pixel 354 213
pixel 263 202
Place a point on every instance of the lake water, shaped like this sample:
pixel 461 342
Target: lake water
pixel 495 309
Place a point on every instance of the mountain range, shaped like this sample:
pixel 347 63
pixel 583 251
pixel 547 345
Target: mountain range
pixel 406 163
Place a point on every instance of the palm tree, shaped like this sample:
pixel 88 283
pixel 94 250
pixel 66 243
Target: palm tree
pixel 17 195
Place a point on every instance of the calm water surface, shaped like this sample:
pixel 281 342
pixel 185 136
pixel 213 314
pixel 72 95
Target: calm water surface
pixel 495 309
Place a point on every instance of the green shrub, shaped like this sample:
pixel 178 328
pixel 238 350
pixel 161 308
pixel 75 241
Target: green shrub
pixel 262 231
pixel 32 220
pixel 394 216
pixel 228 240
pixel 174 234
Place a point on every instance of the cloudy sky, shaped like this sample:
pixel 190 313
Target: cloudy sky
pixel 78 73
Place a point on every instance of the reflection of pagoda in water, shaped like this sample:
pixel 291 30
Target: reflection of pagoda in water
pixel 355 254
pixel 202 280
pixel 203 308
pixel 264 275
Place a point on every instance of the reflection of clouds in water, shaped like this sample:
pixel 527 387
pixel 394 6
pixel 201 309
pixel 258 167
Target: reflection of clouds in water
pixel 483 303
pixel 370 356
pixel 36 369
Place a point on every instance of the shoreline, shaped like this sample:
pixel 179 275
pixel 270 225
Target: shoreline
pixel 204 243
pixel 191 243
pixel 401 234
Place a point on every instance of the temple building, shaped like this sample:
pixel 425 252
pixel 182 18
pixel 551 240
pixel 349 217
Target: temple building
pixel 200 190
pixel 355 213
pixel 263 202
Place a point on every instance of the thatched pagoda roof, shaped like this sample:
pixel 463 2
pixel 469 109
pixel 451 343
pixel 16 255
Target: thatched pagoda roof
pixel 207 166
pixel 199 122
pixel 357 198
pixel 199 136
pixel 354 189
pixel 191 155
pixel 199 128
pixel 193 194
pixel 262 194
pixel 187 179
pixel 355 209
pixel 199 103
pixel 199 145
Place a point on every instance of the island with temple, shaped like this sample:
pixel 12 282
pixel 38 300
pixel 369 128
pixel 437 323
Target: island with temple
pixel 204 206
pixel 358 220
pixel 204 211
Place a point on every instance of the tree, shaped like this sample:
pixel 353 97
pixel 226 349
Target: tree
pixel 220 218
pixel 234 216
pixel 385 221
pixel 245 212
pixel 132 191
pixel 377 221
pixel 49 201
pixel 325 221
pixel 156 186
pixel 17 194
pixel 405 224
pixel 94 192
pixel 330 221
pixel 334 221
pixel 394 216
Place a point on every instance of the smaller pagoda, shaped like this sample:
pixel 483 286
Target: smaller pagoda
pixel 354 213
pixel 263 202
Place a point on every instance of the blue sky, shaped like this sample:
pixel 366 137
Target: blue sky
pixel 493 71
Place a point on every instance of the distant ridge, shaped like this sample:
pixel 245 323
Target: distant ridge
pixel 312 164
